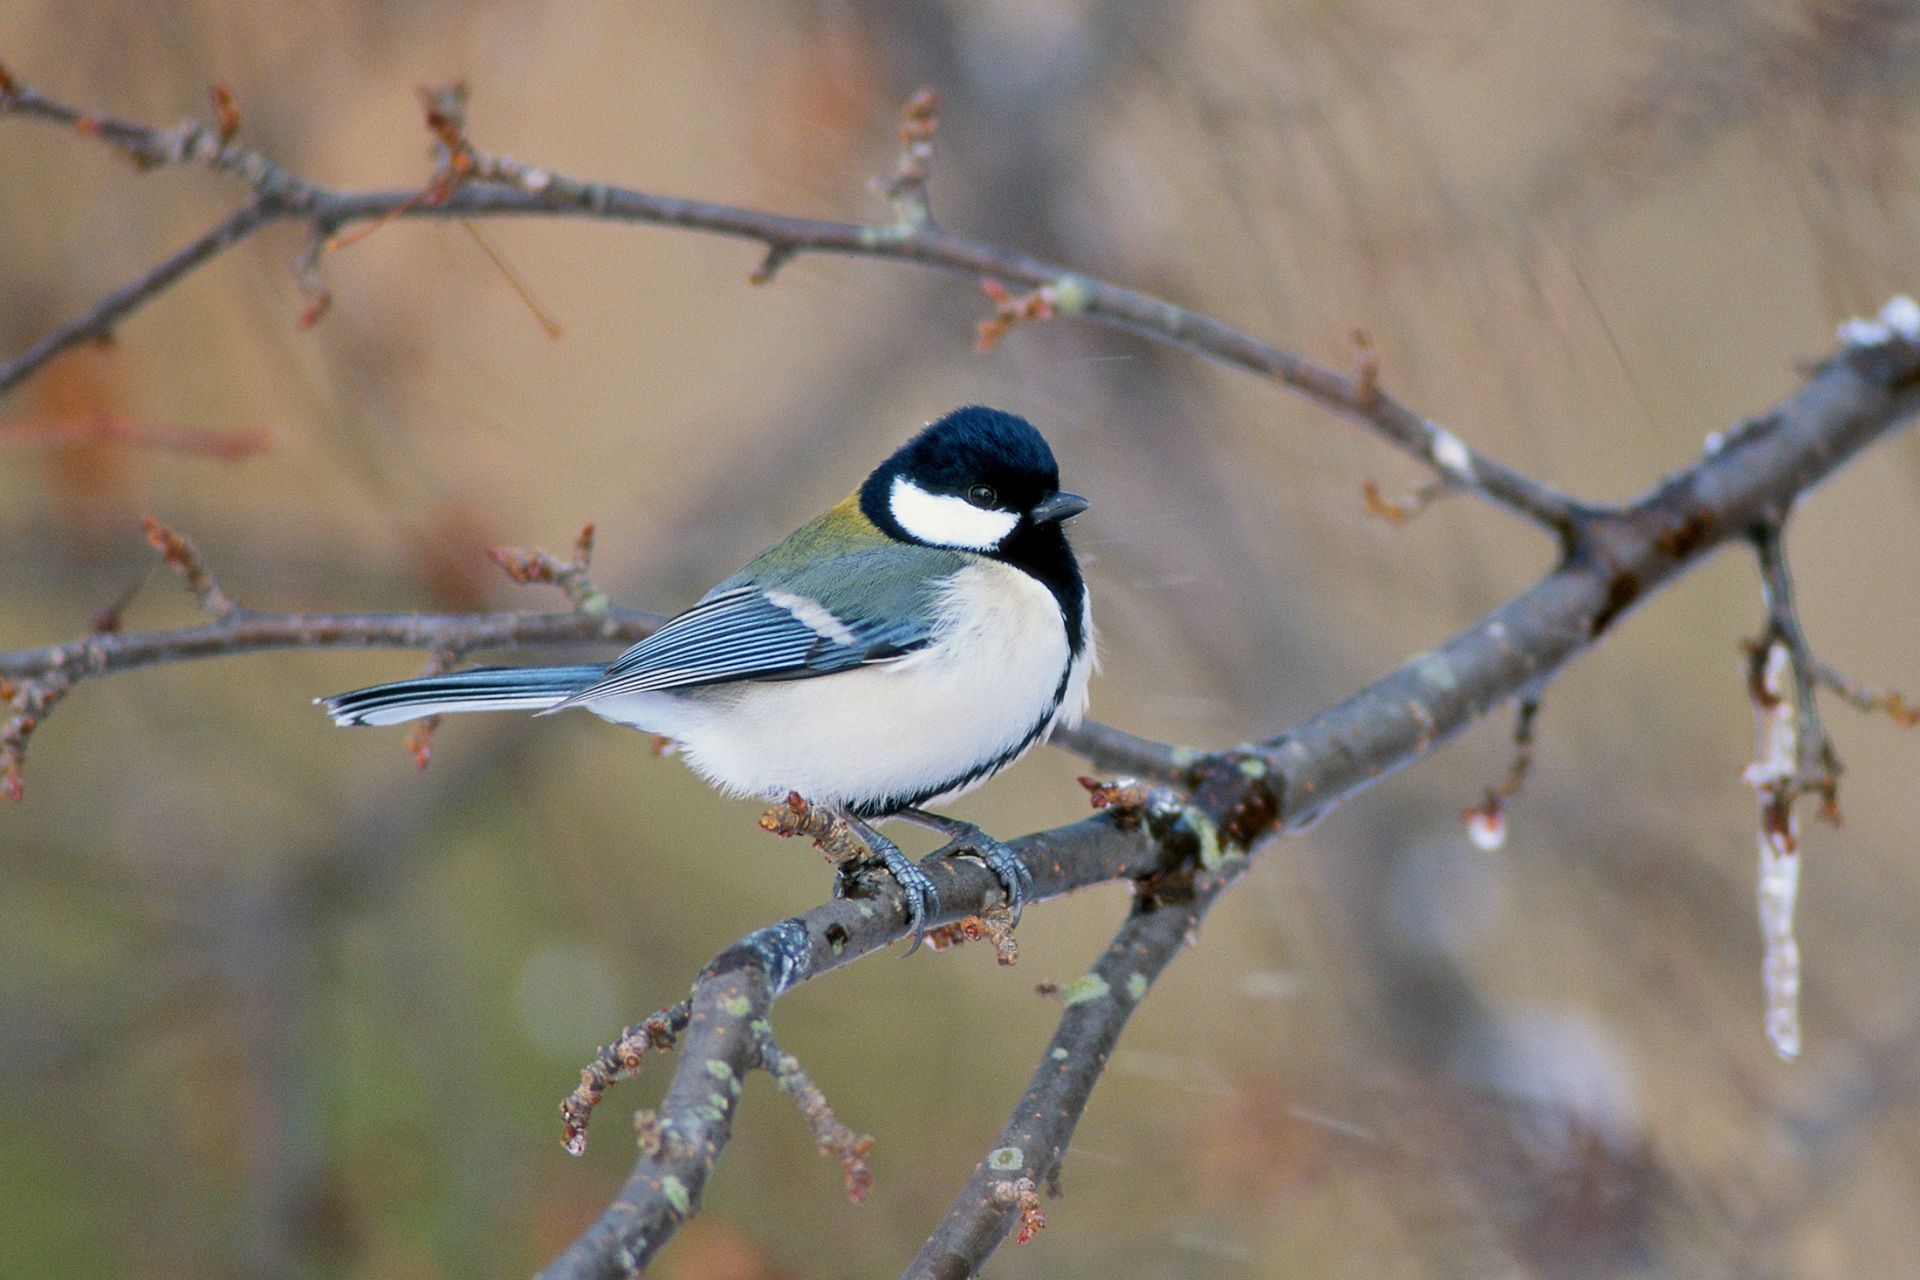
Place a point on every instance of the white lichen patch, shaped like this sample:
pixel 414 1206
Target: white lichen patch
pixel 1451 456
pixel 1899 318
pixel 676 1193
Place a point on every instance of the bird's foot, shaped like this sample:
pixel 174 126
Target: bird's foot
pixel 966 840
pixel 917 890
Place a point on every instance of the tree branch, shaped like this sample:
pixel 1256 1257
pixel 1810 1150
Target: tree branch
pixel 1005 1186
pixel 1613 559
pixel 497 186
pixel 1244 796
pixel 98 320
pixel 244 631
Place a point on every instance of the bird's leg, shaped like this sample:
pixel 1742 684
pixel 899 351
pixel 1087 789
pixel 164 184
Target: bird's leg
pixel 916 886
pixel 965 838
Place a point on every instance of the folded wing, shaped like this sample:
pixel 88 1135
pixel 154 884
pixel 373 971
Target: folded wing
pixel 752 633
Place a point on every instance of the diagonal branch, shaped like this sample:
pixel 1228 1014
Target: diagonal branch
pixel 1005 1187
pixel 1240 798
pixel 495 186
pixel 98 320
pixel 1613 559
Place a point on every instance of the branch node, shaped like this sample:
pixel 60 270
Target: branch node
pixel 1125 798
pixel 1023 1195
pixel 830 834
pixel 1366 374
pixel 31 700
pixel 1398 512
pixel 445 108
pixel 778 255
pixel 569 575
pixel 106 620
pixel 226 112
pixel 1010 309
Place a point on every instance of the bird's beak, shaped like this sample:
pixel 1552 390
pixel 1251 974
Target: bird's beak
pixel 1056 507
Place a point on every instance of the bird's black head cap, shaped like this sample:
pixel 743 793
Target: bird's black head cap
pixel 995 462
pixel 974 446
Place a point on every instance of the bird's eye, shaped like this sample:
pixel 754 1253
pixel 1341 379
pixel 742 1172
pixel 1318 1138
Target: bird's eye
pixel 982 495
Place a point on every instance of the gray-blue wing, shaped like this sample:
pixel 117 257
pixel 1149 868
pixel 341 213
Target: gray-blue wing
pixel 748 633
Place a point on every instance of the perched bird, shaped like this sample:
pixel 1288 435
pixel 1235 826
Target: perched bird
pixel 898 650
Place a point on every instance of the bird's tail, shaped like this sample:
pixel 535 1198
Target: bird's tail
pixel 475 689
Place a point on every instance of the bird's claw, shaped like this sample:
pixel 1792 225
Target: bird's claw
pixel 917 892
pixel 1016 881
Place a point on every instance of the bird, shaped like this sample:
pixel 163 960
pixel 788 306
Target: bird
pixel 900 649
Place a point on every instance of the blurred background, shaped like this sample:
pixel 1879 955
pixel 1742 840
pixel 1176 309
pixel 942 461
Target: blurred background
pixel 273 1003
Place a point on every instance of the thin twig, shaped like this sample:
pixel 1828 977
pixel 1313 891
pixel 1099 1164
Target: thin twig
pixel 616 1062
pixel 1487 820
pixel 498 186
pixel 98 320
pixel 1817 765
pixel 111 652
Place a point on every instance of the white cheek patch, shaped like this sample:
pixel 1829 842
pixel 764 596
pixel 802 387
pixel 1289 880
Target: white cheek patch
pixel 944 520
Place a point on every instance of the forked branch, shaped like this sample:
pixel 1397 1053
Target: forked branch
pixel 1185 845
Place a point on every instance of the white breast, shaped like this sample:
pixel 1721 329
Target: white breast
pixel 899 730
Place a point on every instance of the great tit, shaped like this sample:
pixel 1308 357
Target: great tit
pixel 900 649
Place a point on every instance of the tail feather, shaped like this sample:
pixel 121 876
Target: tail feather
pixel 475 689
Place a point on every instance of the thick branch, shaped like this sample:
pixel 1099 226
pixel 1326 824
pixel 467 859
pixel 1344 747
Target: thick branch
pixel 1005 1186
pixel 738 988
pixel 1614 559
pixel 1241 797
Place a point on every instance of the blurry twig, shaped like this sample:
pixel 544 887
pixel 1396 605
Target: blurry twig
pixel 569 575
pixel 829 1134
pixel 419 740
pixel 183 558
pixel 1815 767
pixel 469 183
pixel 110 428
pixel 1185 846
pixel 1794 757
pixel 906 190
